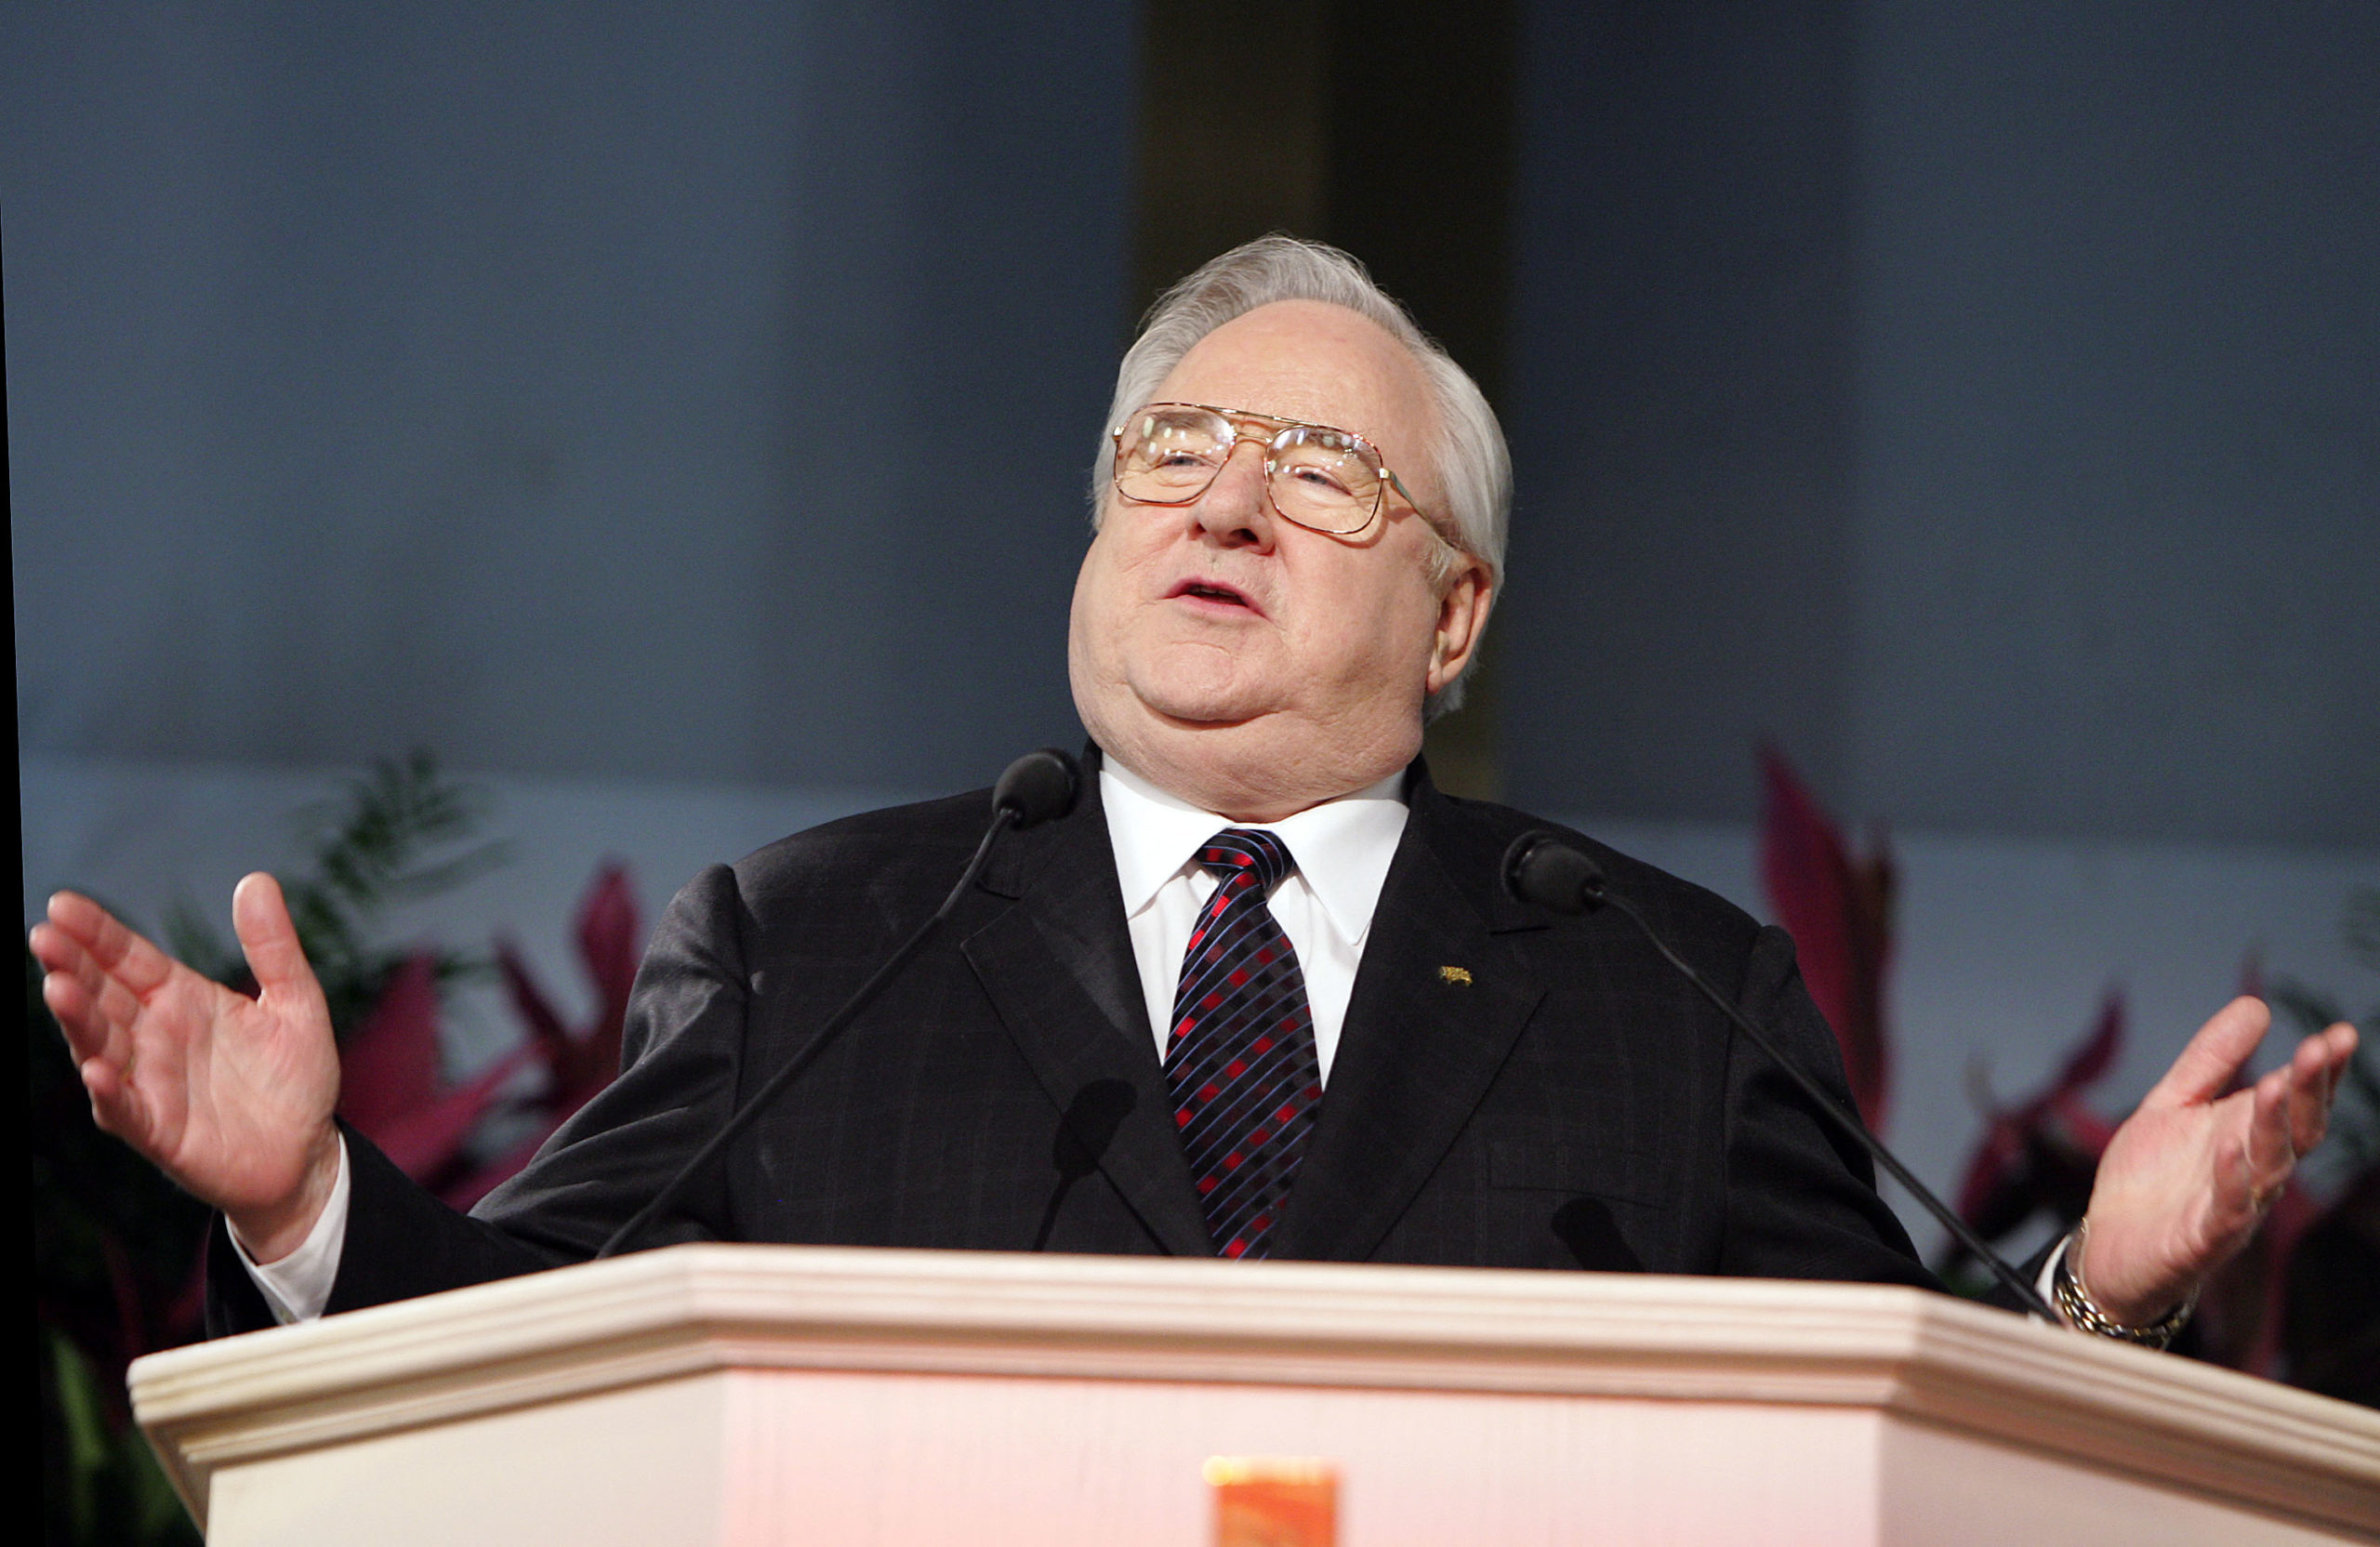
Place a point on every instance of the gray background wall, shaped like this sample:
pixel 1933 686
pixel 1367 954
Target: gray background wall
pixel 548 385
pixel 1984 401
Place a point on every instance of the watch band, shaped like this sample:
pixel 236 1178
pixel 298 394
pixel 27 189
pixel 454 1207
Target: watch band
pixel 2074 1302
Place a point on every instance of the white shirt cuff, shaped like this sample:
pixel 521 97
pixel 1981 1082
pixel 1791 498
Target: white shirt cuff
pixel 2041 1285
pixel 299 1286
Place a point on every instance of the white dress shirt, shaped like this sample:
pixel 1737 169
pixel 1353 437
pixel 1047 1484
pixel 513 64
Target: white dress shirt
pixel 1340 850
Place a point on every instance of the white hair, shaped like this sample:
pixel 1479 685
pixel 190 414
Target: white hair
pixel 1473 466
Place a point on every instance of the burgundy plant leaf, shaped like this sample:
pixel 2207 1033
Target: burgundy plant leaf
pixel 2086 1130
pixel 390 1067
pixel 2242 1306
pixel 607 936
pixel 389 1083
pixel 1838 915
pixel 2086 1064
pixel 1990 1169
pixel 425 1140
pixel 546 1030
pixel 583 1061
pixel 479 1183
pixel 2022 1166
pixel 2275 1249
pixel 2056 1125
pixel 610 943
pixel 564 1052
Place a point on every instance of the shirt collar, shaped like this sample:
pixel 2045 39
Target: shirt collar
pixel 1342 847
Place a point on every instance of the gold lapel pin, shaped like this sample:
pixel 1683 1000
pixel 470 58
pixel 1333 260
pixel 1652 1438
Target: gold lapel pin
pixel 1455 974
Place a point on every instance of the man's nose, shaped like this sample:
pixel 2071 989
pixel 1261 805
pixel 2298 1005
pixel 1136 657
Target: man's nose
pixel 1237 507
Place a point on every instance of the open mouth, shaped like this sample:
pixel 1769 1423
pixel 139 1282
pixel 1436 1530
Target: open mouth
pixel 1215 591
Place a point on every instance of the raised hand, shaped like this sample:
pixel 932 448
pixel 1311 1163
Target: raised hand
pixel 2187 1179
pixel 231 1096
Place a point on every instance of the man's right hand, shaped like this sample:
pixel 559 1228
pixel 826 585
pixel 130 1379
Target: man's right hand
pixel 231 1096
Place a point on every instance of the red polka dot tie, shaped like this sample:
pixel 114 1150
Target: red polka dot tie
pixel 1241 1061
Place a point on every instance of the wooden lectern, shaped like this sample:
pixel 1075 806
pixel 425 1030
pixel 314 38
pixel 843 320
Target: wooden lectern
pixel 746 1395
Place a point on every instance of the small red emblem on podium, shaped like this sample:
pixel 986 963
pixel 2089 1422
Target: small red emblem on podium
pixel 1274 1500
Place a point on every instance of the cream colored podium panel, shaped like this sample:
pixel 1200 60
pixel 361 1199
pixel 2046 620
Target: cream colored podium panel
pixel 786 1394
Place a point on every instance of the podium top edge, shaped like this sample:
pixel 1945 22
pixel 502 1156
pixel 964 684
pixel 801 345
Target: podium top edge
pixel 709 1305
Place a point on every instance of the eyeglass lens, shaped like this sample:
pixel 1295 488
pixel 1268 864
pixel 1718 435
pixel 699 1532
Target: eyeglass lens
pixel 1322 479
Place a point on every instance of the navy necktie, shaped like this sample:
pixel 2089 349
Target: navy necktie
pixel 1241 1061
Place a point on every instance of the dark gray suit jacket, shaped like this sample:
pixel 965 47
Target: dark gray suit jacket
pixel 1571 1104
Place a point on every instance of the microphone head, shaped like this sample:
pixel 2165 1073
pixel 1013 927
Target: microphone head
pixel 1545 868
pixel 1038 786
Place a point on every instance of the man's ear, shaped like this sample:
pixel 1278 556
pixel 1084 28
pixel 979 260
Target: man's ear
pixel 1462 617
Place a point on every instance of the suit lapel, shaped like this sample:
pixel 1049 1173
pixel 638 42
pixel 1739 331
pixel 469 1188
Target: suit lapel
pixel 1059 969
pixel 1421 1047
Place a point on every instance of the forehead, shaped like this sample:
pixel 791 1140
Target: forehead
pixel 1312 360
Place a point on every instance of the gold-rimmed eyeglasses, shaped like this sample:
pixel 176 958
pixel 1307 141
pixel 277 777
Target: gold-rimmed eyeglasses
pixel 1321 478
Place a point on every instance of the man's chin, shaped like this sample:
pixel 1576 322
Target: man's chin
pixel 1194 701
pixel 1203 724
pixel 1205 711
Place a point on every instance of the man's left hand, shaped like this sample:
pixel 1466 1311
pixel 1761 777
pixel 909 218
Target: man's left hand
pixel 2187 1179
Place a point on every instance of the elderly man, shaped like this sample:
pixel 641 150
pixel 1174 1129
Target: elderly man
pixel 1260 993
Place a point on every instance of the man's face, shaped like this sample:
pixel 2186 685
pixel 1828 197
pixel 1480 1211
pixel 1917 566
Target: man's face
pixel 1243 662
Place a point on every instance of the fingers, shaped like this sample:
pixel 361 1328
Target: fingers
pixel 2345 1039
pixel 95 972
pixel 115 949
pixel 116 1104
pixel 75 1004
pixel 93 1009
pixel 260 918
pixel 2271 1150
pixel 2314 1072
pixel 2215 1056
pixel 2291 1110
pixel 103 1055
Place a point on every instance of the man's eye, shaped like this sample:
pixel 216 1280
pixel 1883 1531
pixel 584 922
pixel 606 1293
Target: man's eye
pixel 1318 479
pixel 1180 457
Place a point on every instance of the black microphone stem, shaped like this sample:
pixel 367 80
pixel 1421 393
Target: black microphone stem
pixel 1849 1122
pixel 1004 818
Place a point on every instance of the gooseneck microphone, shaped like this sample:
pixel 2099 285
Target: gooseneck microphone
pixel 1545 868
pixel 1035 788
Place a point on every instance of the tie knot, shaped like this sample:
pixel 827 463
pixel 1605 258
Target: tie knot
pixel 1247 858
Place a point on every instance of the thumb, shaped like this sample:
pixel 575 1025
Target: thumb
pixel 2215 1056
pixel 260 916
